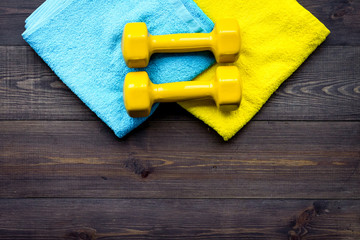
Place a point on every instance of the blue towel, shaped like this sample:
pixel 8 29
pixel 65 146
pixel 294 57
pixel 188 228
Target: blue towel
pixel 81 42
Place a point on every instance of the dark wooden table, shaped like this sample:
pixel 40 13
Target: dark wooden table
pixel 291 173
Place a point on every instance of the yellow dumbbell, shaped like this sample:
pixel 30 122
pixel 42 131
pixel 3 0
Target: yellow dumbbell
pixel 140 93
pixel 138 45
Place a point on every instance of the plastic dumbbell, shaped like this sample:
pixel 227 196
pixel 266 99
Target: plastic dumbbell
pixel 138 45
pixel 140 93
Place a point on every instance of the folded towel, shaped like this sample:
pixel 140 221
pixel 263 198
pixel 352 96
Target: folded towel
pixel 277 36
pixel 81 42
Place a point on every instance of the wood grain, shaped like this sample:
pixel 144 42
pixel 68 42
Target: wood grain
pixel 29 89
pixel 340 16
pixel 178 219
pixel 167 159
pixel 292 173
pixel 323 88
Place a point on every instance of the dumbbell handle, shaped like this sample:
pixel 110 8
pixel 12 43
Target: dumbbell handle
pixel 179 91
pixel 183 42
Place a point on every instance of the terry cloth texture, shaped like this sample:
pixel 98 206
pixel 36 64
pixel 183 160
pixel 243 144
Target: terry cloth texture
pixel 81 42
pixel 277 37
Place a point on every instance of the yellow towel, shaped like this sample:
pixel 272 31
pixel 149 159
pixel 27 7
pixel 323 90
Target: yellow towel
pixel 277 36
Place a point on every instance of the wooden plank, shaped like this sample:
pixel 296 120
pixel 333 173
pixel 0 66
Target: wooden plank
pixel 12 19
pixel 170 159
pixel 326 87
pixel 178 219
pixel 341 17
pixel 30 90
